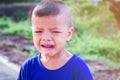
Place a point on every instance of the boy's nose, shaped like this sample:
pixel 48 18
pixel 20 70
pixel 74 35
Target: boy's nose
pixel 46 37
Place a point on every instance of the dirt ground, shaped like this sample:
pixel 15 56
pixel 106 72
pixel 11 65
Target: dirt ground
pixel 17 49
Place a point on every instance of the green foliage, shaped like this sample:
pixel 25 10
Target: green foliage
pixel 92 23
pixel 94 26
pixel 20 16
pixel 4 23
pixel 89 45
pixel 90 19
pixel 83 9
pixel 83 25
pixel 12 28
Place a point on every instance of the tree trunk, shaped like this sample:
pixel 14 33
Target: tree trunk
pixel 114 6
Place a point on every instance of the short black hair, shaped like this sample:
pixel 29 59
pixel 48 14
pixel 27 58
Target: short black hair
pixel 47 8
pixel 52 8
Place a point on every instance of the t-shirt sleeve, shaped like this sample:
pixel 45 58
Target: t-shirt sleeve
pixel 23 72
pixel 82 71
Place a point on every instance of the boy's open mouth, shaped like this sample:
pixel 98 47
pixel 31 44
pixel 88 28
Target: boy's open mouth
pixel 48 46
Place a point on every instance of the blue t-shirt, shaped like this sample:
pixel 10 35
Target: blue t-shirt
pixel 74 69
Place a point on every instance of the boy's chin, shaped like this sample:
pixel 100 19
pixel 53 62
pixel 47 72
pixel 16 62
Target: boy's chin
pixel 48 54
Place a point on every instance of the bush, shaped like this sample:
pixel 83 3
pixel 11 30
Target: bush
pixel 88 19
pixel 22 28
pixel 4 23
pixel 88 45
pixel 89 23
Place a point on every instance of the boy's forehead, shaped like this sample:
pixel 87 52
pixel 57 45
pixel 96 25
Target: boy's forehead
pixel 53 20
pixel 50 18
pixel 50 22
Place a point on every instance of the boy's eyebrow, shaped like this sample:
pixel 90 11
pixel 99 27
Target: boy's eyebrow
pixel 55 28
pixel 37 28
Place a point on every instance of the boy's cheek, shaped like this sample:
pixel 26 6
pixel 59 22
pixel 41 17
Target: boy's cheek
pixel 35 39
pixel 36 36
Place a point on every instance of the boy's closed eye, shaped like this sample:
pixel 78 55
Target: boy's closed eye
pixel 38 31
pixel 56 32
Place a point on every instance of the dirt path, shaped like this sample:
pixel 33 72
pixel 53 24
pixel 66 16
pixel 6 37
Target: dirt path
pixel 17 49
pixel 8 71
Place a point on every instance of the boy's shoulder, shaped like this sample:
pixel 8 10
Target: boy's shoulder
pixel 30 61
pixel 78 59
pixel 78 62
pixel 80 66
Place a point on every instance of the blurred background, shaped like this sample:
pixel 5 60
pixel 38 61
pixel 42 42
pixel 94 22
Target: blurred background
pixel 96 38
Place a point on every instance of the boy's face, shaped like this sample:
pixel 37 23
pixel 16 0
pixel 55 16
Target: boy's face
pixel 50 34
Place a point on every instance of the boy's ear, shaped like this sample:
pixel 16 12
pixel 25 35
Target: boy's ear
pixel 71 30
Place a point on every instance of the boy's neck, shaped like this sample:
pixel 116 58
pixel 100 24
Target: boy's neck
pixel 56 61
pixel 64 54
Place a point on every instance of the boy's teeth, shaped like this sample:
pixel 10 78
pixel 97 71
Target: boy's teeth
pixel 51 46
pixel 48 46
